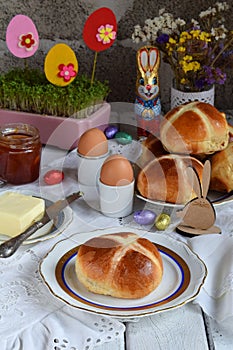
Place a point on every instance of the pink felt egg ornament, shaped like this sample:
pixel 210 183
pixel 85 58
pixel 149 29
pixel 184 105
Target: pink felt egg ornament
pixel 22 38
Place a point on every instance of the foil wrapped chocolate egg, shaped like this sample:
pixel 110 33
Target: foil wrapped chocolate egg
pixel 162 221
pixel 123 137
pixel 111 131
pixel 144 217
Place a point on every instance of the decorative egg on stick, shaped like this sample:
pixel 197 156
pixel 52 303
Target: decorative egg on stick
pixel 22 37
pixel 99 32
pixel 61 65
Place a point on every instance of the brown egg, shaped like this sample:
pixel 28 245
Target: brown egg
pixel 93 143
pixel 116 171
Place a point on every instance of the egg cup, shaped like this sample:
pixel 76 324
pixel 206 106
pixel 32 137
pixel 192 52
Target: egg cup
pixel 89 168
pixel 116 201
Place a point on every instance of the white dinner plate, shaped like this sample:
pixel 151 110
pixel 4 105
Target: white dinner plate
pixel 216 198
pixel 184 275
pixel 51 229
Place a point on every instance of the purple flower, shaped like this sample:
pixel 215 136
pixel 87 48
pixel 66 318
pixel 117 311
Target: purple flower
pixel 162 39
pixel 210 80
pixel 214 75
pixel 200 83
pixel 227 53
pixel 207 69
pixel 209 77
pixel 220 76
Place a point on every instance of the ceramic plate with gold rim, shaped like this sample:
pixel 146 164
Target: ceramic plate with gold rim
pixel 184 275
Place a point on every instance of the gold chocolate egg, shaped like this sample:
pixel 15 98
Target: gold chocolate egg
pixel 162 221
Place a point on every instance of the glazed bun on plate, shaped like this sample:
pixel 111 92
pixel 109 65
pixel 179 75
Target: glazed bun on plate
pixel 122 265
pixel 222 170
pixel 196 128
pixel 165 179
pixel 151 147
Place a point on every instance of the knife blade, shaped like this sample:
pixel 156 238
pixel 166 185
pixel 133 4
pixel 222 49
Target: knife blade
pixel 10 246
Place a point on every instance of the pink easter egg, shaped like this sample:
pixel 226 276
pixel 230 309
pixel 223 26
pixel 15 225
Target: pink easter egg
pixel 22 38
pixel 53 177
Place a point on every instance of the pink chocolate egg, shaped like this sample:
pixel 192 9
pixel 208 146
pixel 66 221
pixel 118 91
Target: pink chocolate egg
pixel 53 177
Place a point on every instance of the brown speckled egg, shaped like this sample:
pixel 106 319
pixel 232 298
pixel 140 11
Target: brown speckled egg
pixel 116 171
pixel 93 143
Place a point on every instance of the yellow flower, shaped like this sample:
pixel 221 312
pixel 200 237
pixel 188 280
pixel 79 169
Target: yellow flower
pixel 172 41
pixel 182 40
pixel 183 81
pixel 195 33
pixel 196 66
pixel 169 47
pixel 205 36
pixel 181 49
pixel 190 66
pixel 187 58
pixel 185 35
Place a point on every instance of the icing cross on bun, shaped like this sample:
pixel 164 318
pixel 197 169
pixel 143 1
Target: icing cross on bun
pixel 165 179
pixel 123 265
pixel 196 128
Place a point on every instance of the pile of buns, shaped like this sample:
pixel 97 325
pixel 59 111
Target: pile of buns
pixel 189 134
pixel 122 265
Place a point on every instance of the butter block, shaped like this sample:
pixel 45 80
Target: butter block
pixel 18 212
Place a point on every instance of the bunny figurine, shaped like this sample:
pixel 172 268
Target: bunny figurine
pixel 198 215
pixel 147 103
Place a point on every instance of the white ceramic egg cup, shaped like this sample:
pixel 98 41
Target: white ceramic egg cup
pixel 116 201
pixel 89 168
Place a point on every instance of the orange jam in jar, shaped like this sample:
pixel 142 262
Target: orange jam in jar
pixel 20 153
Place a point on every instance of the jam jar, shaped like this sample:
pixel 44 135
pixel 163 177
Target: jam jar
pixel 20 153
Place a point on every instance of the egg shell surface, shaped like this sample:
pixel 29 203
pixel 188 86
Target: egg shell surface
pixel 93 143
pixel 116 171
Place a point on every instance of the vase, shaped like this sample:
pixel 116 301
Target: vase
pixel 180 97
pixel 57 131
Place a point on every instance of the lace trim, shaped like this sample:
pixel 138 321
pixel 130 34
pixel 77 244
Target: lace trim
pixel 103 326
pixel 226 286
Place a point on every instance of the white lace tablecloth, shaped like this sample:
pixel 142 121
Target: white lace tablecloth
pixel 28 311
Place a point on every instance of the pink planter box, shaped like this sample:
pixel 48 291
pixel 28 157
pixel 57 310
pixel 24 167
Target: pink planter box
pixel 56 131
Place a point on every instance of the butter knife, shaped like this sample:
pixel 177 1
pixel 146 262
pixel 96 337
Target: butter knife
pixel 10 246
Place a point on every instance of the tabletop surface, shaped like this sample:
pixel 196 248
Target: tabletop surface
pixel 185 327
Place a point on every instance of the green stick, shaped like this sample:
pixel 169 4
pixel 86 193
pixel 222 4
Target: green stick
pixel 94 67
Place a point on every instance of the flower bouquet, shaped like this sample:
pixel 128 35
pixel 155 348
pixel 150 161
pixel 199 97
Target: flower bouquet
pixel 199 52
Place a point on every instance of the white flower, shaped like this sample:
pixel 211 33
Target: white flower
pixel 194 22
pixel 161 11
pixel 222 6
pixel 148 22
pixel 219 33
pixel 180 22
pixel 209 12
pixel 167 31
